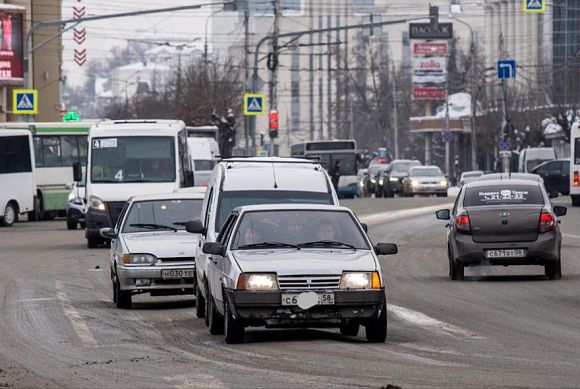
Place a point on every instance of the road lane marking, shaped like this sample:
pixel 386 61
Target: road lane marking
pixel 389 216
pixel 76 320
pixel 196 380
pixel 430 323
pixel 571 236
pixel 38 299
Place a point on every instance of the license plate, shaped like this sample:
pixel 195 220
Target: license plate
pixel 292 298
pixel 508 253
pixel 176 274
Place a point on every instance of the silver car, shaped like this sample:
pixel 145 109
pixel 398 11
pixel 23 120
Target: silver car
pixel 428 180
pixel 295 266
pixel 150 250
pixel 503 222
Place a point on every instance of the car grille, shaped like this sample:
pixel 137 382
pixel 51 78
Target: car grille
pixel 307 282
pixel 115 208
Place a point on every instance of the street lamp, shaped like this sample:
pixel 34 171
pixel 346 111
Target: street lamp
pixel 205 43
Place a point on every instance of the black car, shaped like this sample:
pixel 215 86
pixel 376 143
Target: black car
pixel 556 175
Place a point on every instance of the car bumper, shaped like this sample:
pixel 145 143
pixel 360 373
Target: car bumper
pixel 265 308
pixel 428 190
pixel 395 186
pixel 128 277
pixel 544 250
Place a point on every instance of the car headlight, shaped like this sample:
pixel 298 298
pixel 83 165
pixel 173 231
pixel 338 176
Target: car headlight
pixel 360 280
pixel 139 259
pixel 361 184
pixel 71 196
pixel 393 179
pixel 373 180
pixel 414 182
pixel 257 281
pixel 443 182
pixel 381 182
pixel 97 203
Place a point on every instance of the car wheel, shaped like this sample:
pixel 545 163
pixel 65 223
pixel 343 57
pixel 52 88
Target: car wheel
pixel 71 223
pixel 83 225
pixel 215 323
pixel 199 303
pixel 92 242
pixel 575 200
pixel 553 270
pixel 233 329
pixel 376 329
pixel 457 270
pixel 122 298
pixel 9 216
pixel 349 328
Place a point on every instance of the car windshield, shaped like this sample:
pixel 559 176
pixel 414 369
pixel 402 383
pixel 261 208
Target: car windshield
pixel 203 164
pixel 403 166
pixel 232 199
pixel 299 229
pixel 425 172
pixel 163 215
pixel 503 195
pixel 132 159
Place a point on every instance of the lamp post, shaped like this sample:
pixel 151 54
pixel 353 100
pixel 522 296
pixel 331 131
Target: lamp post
pixel 205 54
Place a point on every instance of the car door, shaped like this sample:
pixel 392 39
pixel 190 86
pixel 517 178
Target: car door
pixel 564 182
pixel 216 263
pixel 201 257
pixel 116 243
pixel 552 173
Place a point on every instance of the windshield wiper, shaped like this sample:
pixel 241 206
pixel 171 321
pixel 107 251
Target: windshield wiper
pixel 267 244
pixel 326 243
pixel 153 226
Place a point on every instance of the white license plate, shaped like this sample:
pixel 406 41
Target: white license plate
pixel 508 253
pixel 176 274
pixel 292 298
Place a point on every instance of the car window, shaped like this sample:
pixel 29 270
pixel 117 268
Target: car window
pixel 208 209
pixel 503 195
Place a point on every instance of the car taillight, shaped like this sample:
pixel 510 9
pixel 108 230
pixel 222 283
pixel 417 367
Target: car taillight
pixel 547 222
pixel 463 225
pixel 576 179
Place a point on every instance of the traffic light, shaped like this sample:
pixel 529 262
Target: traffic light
pixel 434 17
pixel 273 124
pixel 272 62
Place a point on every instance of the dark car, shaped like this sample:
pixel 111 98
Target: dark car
pixel 556 175
pixel 371 177
pixel 393 177
pixel 503 222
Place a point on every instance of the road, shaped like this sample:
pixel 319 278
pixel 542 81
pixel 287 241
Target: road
pixel 507 327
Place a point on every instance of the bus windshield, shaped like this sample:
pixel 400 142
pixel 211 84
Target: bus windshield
pixel 132 159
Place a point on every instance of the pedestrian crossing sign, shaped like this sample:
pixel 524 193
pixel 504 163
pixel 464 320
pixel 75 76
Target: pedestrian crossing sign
pixel 534 6
pixel 254 104
pixel 25 101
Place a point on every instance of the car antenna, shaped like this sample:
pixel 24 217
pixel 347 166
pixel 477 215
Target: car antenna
pixel 274 174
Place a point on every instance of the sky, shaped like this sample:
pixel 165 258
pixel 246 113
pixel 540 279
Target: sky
pixel 103 35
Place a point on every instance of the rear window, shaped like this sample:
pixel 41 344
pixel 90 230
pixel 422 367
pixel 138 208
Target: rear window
pixel 577 151
pixel 503 195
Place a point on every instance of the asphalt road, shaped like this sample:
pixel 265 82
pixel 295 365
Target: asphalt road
pixel 501 327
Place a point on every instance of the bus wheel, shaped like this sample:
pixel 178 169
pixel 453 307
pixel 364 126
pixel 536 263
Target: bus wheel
pixel 9 216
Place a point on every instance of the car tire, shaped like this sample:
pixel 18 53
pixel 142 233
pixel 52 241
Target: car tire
pixel 234 331
pixel 71 224
pixel 457 271
pixel 199 303
pixel 83 225
pixel 376 329
pixel 553 270
pixel 92 242
pixel 9 216
pixel 121 298
pixel 349 328
pixel 214 322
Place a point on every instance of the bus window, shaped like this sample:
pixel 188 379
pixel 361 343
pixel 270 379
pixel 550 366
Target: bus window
pixel 577 151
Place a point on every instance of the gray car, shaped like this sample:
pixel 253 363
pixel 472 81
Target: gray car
pixel 503 222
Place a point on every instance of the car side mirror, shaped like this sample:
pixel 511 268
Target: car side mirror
pixel 443 214
pixel 365 227
pixel 386 249
pixel 560 210
pixel 214 248
pixel 194 227
pixel 77 172
pixel 107 233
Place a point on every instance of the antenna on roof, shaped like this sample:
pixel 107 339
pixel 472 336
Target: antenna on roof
pixel 274 174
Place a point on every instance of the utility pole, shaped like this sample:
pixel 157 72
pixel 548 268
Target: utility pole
pixel 505 158
pixel 447 140
pixel 247 75
pixel 311 75
pixel 274 67
pixel 320 81
pixel 395 115
pixel 329 79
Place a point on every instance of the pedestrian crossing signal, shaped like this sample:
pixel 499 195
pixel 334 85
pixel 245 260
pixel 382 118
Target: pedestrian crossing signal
pixel 534 6
pixel 254 104
pixel 25 101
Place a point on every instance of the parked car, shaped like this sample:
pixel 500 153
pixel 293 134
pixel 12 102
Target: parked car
pixel 428 180
pixel 469 176
pixel 150 250
pixel 556 176
pixel 503 222
pixel 295 265
pixel 75 207
pixel 395 174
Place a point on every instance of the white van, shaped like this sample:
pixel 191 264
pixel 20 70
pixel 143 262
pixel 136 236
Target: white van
pixel 249 181
pixel 128 158
pixel 204 153
pixel 17 176
pixel 532 157
pixel 575 164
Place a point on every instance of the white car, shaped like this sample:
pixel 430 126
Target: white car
pixel 294 265
pixel 150 250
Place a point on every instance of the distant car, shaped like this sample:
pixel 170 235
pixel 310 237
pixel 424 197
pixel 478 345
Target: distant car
pixel 75 207
pixel 556 176
pixel 425 180
pixel 470 176
pixel 371 178
pixel 379 180
pixel 393 177
pixel 503 222
pixel 531 157
pixel 150 250
pixel 295 265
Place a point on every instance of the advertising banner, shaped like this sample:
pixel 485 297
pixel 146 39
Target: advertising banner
pixel 437 49
pixel 430 65
pixel 11 45
pixel 429 93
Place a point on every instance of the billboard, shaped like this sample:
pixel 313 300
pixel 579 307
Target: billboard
pixel 11 44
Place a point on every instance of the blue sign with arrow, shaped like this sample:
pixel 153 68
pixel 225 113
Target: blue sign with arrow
pixel 506 68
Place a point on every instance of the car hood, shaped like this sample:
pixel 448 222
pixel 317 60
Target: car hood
pixel 162 244
pixel 305 261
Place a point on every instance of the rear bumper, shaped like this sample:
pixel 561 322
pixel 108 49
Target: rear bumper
pixel 265 308
pixel 543 250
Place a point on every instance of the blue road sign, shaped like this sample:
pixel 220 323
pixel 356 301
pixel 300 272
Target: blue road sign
pixel 535 6
pixel 506 68
pixel 447 136
pixel 25 101
pixel 505 144
pixel 254 104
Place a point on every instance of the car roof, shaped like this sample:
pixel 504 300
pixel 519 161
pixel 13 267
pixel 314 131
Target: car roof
pixel 496 182
pixel 292 207
pixel 425 167
pixel 511 176
pixel 169 196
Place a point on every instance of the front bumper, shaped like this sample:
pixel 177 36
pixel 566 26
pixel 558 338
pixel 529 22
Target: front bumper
pixel 394 186
pixel 127 277
pixel 420 189
pixel 265 308
pixel 543 250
